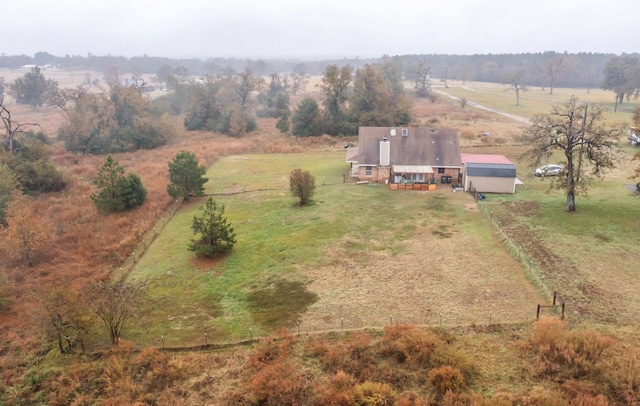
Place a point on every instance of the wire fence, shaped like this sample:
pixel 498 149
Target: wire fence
pixel 534 271
pixel 489 319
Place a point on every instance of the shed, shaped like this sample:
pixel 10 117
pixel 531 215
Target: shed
pixel 487 173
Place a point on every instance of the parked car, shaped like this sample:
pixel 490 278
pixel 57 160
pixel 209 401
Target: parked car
pixel 549 170
pixel 638 187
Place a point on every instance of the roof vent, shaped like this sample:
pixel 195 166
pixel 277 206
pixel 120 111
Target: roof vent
pixel 393 132
pixel 405 132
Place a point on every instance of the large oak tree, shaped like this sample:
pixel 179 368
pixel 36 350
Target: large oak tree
pixel 580 133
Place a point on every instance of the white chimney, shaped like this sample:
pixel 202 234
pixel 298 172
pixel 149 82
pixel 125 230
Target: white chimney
pixel 385 152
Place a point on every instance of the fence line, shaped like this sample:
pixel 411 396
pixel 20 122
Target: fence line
pixel 533 271
pixel 165 343
pixel 492 319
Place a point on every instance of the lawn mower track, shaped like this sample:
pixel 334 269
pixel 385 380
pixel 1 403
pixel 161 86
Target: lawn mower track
pixel 581 296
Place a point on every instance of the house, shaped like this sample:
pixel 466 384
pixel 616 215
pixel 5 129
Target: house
pixel 487 173
pixel 406 158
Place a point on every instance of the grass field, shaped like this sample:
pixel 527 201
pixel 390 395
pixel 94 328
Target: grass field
pixel 359 256
pixel 538 101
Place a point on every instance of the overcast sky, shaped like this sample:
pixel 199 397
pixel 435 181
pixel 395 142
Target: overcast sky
pixel 316 29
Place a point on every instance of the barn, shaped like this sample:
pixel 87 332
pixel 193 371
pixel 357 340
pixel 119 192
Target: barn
pixel 487 173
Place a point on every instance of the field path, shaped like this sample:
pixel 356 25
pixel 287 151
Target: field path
pixel 481 107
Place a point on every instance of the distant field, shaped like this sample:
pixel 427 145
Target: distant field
pixel 537 100
pixel 360 256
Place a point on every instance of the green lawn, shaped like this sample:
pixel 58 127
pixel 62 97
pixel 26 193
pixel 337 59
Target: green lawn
pixel 358 253
pixel 275 238
pixel 362 255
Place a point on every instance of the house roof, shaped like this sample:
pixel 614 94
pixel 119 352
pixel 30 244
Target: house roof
pixel 491 170
pixel 485 159
pixel 420 146
pixel 352 154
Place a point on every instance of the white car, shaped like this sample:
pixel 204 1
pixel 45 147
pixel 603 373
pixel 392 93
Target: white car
pixel 549 170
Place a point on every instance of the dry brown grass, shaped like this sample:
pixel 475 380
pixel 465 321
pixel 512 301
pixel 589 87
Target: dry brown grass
pixel 458 287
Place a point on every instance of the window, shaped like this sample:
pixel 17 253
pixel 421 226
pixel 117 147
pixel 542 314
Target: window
pixel 405 132
pixel 440 170
pixel 368 170
pixel 417 177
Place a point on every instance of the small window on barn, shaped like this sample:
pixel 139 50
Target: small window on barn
pixel 440 170
pixel 368 170
pixel 405 132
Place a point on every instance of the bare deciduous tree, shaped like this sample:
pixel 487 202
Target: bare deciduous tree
pixel 422 78
pixel 552 69
pixel 66 315
pixel 115 302
pixel 12 127
pixel 514 82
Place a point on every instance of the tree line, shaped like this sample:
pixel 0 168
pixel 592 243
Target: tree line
pixel 565 69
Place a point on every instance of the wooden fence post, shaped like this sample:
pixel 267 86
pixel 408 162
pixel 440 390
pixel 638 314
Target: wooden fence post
pixel 538 313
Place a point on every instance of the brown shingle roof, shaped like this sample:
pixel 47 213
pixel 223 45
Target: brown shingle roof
pixel 421 146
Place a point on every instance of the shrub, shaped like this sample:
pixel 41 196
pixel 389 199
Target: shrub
pixel 302 185
pixel 446 378
pixel 405 343
pixel 355 356
pixel 279 383
pixel 7 187
pixel 31 169
pixel 575 354
pixel 448 355
pixel 338 391
pixel 374 394
pixel 623 380
pixel 26 238
pixel 154 370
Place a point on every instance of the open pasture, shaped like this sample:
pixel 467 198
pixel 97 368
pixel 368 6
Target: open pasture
pixel 536 100
pixel 359 256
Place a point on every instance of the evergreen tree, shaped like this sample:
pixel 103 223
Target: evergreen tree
pixel 304 122
pixel 186 176
pixel 283 124
pixel 117 191
pixel 133 191
pixel 216 234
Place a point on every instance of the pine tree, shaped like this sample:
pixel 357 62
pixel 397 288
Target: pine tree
pixel 186 176
pixel 216 234
pixel 117 191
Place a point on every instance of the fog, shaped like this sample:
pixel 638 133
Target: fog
pixel 316 29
